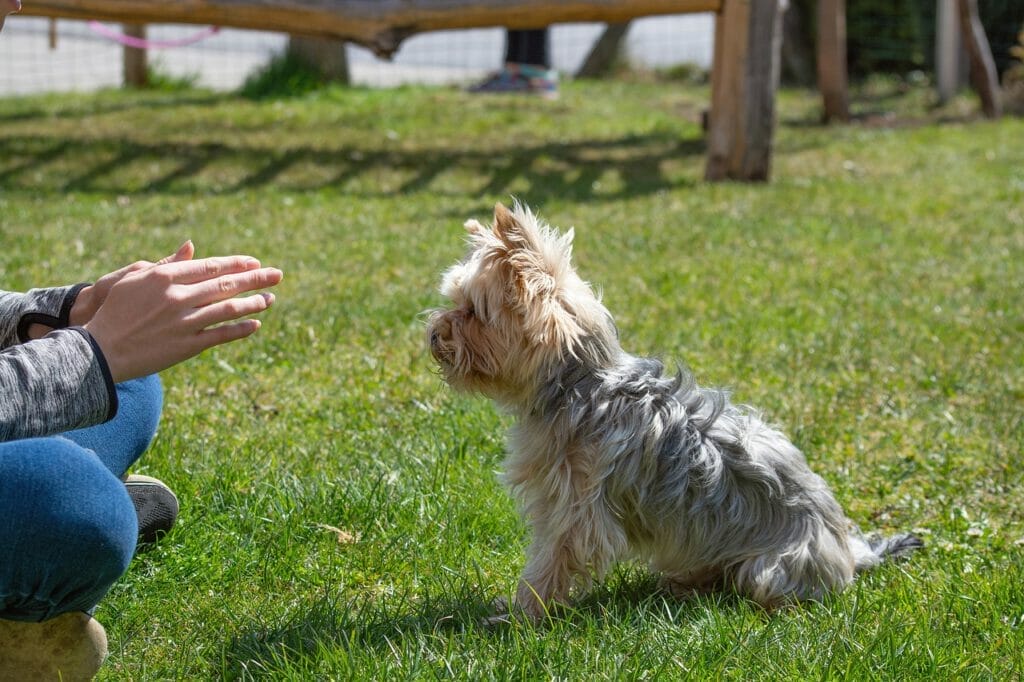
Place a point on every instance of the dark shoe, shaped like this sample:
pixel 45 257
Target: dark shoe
pixel 523 78
pixel 155 505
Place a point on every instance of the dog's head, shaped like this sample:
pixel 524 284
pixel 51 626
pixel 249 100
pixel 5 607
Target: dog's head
pixel 518 310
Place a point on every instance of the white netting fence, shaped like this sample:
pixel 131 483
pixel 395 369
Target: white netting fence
pixel 79 59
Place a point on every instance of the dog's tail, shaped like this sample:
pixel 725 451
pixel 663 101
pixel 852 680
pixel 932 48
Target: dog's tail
pixel 871 551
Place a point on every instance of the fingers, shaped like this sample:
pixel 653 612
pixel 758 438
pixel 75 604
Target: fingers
pixel 210 318
pixel 226 333
pixel 231 309
pixel 230 285
pixel 193 271
pixel 185 252
pixel 112 278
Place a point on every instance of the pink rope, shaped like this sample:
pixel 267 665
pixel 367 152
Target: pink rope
pixel 143 44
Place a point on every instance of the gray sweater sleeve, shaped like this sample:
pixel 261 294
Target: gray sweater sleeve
pixel 54 384
pixel 51 306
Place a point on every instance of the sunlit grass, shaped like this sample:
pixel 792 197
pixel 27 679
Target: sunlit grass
pixel 868 300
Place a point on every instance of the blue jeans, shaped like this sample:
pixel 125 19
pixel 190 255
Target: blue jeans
pixel 67 526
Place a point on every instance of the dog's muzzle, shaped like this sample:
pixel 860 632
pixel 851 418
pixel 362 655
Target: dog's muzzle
pixel 440 335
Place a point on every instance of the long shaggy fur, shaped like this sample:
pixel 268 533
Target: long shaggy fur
pixel 611 458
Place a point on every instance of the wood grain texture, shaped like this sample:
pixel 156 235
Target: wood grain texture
pixel 378 25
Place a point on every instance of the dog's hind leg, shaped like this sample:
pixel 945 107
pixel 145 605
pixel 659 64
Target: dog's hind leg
pixel 691 584
pixel 775 579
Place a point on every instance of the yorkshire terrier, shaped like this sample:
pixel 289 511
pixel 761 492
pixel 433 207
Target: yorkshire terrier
pixel 612 459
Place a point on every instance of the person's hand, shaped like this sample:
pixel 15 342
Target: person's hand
pixel 156 317
pixel 8 7
pixel 90 298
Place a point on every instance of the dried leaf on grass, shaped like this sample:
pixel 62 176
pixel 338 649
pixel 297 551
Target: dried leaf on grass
pixel 343 536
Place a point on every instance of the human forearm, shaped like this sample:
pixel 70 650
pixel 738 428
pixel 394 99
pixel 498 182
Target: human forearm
pixel 35 313
pixel 54 384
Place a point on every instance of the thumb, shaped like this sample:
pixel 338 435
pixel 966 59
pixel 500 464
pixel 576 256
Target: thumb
pixel 184 252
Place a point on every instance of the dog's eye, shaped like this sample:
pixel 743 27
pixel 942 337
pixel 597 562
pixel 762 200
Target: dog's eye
pixel 470 311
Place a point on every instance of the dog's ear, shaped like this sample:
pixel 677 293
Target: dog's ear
pixel 518 229
pixel 536 264
pixel 474 227
pixel 536 257
pixel 506 227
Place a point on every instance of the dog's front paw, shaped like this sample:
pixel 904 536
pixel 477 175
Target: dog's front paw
pixel 504 613
pixel 501 614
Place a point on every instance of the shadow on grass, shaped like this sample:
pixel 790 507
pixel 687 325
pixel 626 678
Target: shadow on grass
pixel 329 626
pixel 579 170
pixel 892 105
pixel 885 118
pixel 351 627
pixel 93 105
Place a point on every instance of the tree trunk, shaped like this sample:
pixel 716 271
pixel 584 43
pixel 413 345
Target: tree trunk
pixel 136 73
pixel 984 78
pixel 948 50
pixel 327 55
pixel 797 55
pixel 602 56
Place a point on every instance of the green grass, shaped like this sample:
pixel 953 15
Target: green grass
pixel 869 299
pixel 284 76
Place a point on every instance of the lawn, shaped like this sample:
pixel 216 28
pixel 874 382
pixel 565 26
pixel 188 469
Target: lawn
pixel 341 515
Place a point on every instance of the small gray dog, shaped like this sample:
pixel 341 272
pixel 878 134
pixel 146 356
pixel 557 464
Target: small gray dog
pixel 611 459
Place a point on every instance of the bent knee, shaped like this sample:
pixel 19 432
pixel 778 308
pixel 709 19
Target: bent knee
pixel 68 521
pixel 94 517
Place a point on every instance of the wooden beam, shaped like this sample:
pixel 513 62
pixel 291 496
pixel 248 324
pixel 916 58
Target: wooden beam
pixel 832 72
pixel 984 78
pixel 379 25
pixel 744 78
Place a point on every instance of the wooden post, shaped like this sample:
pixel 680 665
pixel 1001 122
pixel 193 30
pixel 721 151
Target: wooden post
pixel 604 52
pixel 948 49
pixel 832 72
pixel 136 75
pixel 326 54
pixel 744 78
pixel 984 78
